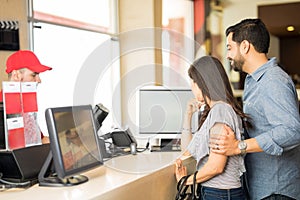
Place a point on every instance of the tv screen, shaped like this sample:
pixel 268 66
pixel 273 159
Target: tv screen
pixel 73 142
pixel 161 111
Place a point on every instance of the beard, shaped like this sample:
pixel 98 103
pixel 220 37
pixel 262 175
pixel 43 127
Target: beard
pixel 238 63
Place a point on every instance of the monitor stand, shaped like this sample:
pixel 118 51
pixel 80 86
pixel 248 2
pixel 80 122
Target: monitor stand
pixel 47 176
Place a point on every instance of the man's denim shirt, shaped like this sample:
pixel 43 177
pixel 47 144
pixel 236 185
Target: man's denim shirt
pixel 271 100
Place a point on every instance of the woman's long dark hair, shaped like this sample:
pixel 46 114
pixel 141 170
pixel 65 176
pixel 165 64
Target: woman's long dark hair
pixel 210 76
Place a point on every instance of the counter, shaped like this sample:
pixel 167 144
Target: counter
pixel 148 176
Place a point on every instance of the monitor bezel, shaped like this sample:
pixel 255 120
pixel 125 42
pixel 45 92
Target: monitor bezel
pixel 55 146
pixel 183 106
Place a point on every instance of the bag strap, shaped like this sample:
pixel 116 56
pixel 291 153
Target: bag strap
pixel 194 185
pixel 182 182
pixel 182 187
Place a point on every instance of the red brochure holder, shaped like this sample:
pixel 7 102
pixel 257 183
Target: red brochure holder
pixel 20 114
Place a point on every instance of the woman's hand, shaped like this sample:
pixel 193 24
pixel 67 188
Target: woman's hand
pixel 180 170
pixel 193 105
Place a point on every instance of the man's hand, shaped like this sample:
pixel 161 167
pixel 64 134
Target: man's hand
pixel 224 143
pixel 180 170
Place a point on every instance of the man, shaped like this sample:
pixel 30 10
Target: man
pixel 270 99
pixel 24 66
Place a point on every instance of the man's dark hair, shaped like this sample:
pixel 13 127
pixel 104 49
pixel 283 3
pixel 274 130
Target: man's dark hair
pixel 252 30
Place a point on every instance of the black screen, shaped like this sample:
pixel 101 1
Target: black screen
pixel 73 139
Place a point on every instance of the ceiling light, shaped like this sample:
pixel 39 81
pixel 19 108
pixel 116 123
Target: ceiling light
pixel 290 28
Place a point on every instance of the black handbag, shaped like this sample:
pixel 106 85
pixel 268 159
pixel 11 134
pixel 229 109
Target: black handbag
pixel 187 192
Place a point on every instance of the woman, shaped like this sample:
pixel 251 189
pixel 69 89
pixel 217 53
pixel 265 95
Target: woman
pixel 219 175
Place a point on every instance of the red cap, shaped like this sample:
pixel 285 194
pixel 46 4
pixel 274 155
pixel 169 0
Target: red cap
pixel 25 59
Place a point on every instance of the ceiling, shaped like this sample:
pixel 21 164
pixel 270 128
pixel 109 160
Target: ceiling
pixel 278 16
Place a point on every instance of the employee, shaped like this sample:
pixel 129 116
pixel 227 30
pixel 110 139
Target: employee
pixel 24 66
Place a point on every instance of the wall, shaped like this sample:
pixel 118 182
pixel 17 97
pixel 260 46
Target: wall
pixel 236 10
pixel 290 59
pixel 286 14
pixel 138 59
pixel 13 10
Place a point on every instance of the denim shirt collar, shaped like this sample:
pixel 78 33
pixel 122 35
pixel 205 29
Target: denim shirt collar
pixel 256 75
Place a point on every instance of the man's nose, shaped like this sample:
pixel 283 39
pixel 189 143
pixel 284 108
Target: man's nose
pixel 38 79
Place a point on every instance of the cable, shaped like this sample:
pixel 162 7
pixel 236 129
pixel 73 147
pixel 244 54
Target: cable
pixel 13 183
pixel 6 187
pixel 144 149
pixel 8 184
pixel 106 136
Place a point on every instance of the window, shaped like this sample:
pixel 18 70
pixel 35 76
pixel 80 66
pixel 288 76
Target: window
pixel 83 14
pixel 178 42
pixel 64 36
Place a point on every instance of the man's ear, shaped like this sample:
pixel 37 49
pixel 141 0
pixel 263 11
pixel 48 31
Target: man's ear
pixel 245 46
pixel 16 75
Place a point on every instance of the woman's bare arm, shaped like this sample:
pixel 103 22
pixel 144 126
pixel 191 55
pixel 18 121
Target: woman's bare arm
pixel 227 144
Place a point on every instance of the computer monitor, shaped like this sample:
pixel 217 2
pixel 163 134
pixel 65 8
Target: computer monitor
pixel 74 146
pixel 161 111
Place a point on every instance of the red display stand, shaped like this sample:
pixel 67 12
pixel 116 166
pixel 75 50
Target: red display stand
pixel 20 114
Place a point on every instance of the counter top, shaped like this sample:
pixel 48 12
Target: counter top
pixel 148 175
